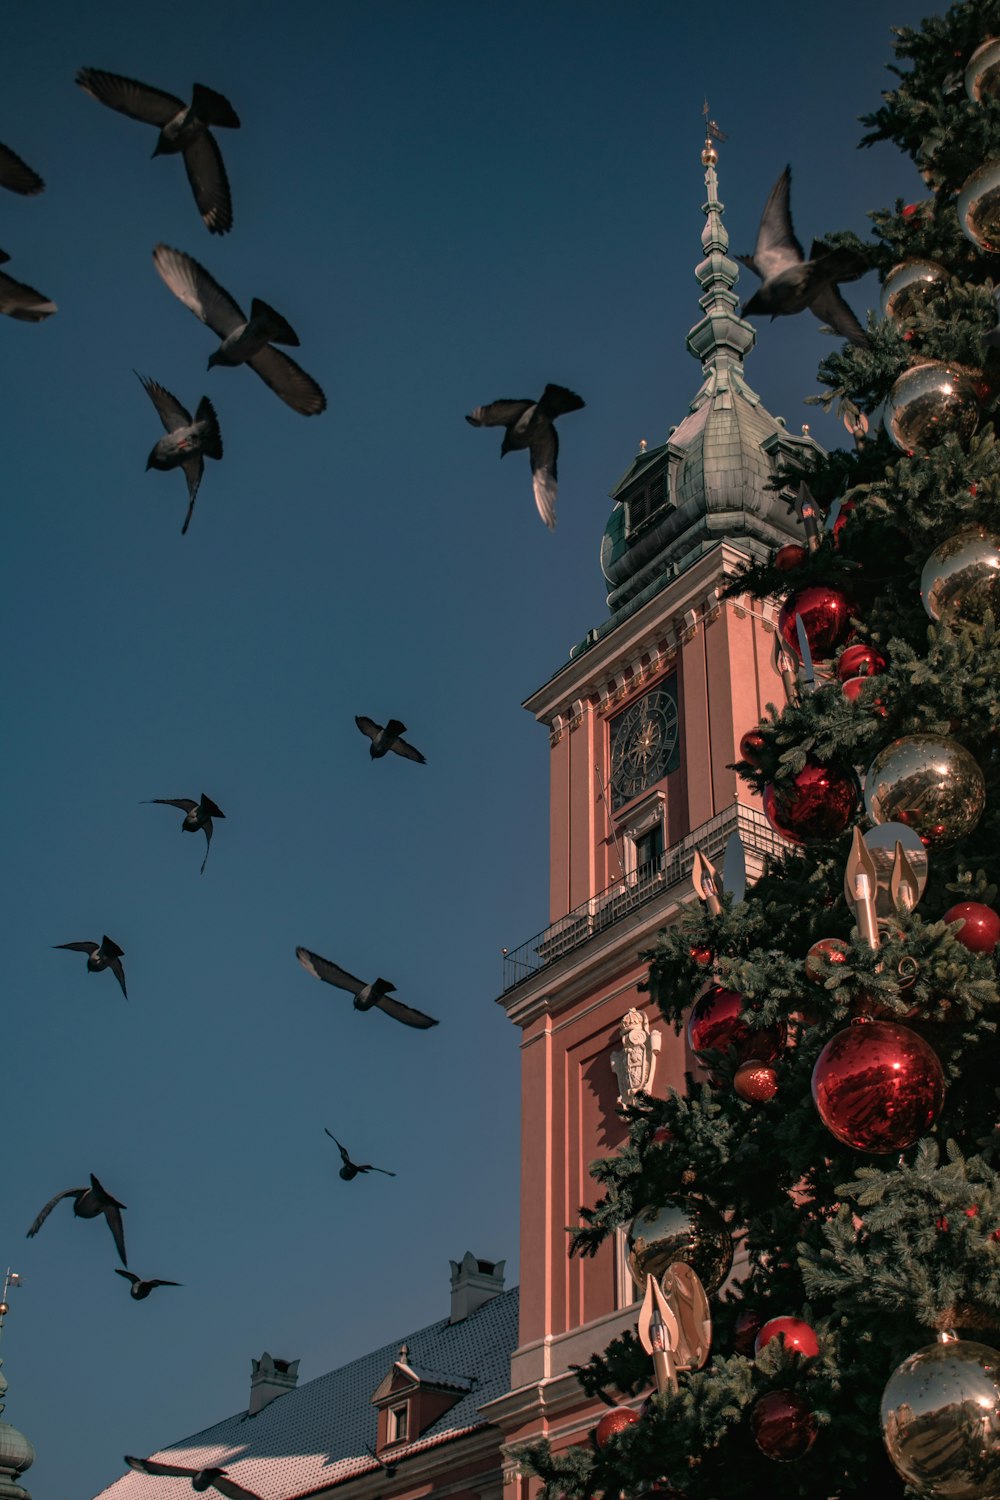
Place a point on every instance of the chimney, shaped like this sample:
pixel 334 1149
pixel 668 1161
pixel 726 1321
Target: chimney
pixel 270 1378
pixel 473 1282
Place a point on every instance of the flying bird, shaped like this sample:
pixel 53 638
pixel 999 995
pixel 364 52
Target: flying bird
pixel 365 995
pixel 352 1168
pixel 16 175
pixel 188 442
pixel 102 955
pixel 244 340
pixel 141 1289
pixel 183 128
pixel 790 282
pixel 196 814
pixel 529 425
pixel 20 301
pixel 201 1479
pixel 89 1203
pixel 385 739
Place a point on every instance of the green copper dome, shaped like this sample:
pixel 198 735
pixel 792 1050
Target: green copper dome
pixel 16 1455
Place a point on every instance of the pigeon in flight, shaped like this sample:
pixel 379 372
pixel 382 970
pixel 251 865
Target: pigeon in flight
pixel 365 995
pixel 102 955
pixel 384 740
pixel 20 301
pixel 196 814
pixel 89 1203
pixel 351 1168
pixel 187 443
pixel 244 341
pixel 529 425
pixel 790 282
pixel 201 1479
pixel 16 175
pixel 183 127
pixel 141 1289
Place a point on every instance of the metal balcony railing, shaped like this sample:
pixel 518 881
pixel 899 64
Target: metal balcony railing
pixel 641 885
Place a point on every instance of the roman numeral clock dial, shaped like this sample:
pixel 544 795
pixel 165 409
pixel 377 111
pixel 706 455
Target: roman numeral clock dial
pixel 644 744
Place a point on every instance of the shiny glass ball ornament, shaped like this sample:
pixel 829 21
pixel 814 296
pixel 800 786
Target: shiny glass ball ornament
pixel 825 613
pixel 701 955
pixel 745 1331
pixel 755 1082
pixel 751 745
pixel 823 953
pixel 860 660
pixel 818 805
pixel 783 1424
pixel 980 929
pixel 982 72
pixel 906 288
pixel 796 1334
pixel 613 1422
pixel 979 207
pixel 790 556
pixel 960 580
pixel 682 1228
pixel 929 782
pixel 878 1086
pixel 941 1420
pixel 842 518
pixel 716 1023
pixel 851 690
pixel 929 401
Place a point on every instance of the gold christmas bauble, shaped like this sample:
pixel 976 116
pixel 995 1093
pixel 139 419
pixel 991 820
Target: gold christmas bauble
pixel 941 1420
pixel 686 1229
pixel 982 71
pixel 908 286
pixel 978 206
pixel 960 581
pixel 929 782
pixel 929 401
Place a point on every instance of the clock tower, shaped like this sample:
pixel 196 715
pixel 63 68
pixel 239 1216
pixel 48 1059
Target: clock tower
pixel 644 722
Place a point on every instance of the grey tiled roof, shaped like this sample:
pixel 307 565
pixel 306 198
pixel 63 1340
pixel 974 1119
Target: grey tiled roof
pixel 316 1435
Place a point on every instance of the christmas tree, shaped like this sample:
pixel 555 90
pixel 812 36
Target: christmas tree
pixel 843 1134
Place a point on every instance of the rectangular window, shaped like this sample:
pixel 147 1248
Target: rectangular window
pixel 646 502
pixel 649 851
pixel 397 1423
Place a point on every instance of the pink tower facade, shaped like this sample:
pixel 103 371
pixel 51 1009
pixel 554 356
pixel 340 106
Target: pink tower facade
pixel 644 722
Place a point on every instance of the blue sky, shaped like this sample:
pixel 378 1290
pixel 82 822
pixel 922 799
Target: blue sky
pixel 450 205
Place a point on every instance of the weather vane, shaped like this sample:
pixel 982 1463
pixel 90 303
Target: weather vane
pixel 10 1279
pixel 712 131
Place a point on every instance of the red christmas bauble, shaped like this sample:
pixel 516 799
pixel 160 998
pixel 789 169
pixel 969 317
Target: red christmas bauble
pixel 825 951
pixel 980 929
pixel 751 745
pixel 613 1422
pixel 745 1331
pixel 825 613
pixel 843 516
pixel 784 1425
pixel 878 1086
pixel 798 1336
pixel 790 556
pixel 818 805
pixel 852 691
pixel 755 1081
pixel 716 1024
pixel 701 955
pixel 661 1134
pixel 860 660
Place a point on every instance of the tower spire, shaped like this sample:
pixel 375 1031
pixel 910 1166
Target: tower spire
pixel 721 338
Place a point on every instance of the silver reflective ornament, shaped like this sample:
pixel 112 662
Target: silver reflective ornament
pixel 929 782
pixel 941 1420
pixel 684 1229
pixel 978 206
pixel 929 401
pixel 982 72
pixel 960 581
pixel 907 287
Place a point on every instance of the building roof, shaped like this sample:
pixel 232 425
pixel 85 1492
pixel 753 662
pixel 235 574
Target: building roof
pixel 320 1434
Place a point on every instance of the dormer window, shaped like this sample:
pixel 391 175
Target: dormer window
pixel 411 1398
pixel 398 1423
pixel 643 503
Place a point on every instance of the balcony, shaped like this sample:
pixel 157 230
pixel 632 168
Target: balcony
pixel 672 869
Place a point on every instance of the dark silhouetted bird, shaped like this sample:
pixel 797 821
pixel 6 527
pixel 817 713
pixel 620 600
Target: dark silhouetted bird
pixel 16 175
pixel 196 815
pixel 183 128
pixel 365 995
pixel 89 1203
pixel 140 1289
pixel 790 282
pixel 20 301
pixel 384 740
pixel 201 1479
pixel 529 425
pixel 352 1168
pixel 102 955
pixel 244 340
pixel 188 442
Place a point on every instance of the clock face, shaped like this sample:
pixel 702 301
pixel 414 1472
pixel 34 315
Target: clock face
pixel 644 743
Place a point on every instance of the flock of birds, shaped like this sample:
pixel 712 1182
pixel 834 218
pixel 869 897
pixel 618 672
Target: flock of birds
pixel 790 283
